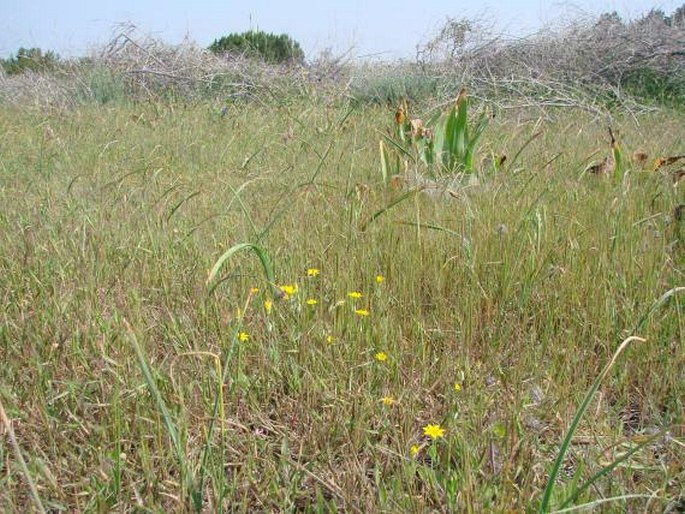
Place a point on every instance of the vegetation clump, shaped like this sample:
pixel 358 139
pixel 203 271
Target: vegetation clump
pixel 270 48
pixel 30 59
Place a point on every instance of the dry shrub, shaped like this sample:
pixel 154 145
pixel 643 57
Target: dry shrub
pixel 135 66
pixel 584 62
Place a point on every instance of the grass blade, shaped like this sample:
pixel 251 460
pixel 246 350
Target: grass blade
pixel 556 467
pixel 178 205
pixel 523 147
pixel 258 250
pixel 22 463
pixel 161 405
pixel 472 142
pixel 593 504
pixel 384 162
pixel 217 409
pixel 399 148
pixel 461 126
pixel 392 204
pixel 609 468
pixel 618 158
pixel 656 305
pixel 432 226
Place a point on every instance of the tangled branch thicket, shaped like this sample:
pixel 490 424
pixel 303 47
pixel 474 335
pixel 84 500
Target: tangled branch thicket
pixel 153 69
pixel 135 66
pixel 595 64
pixel 587 61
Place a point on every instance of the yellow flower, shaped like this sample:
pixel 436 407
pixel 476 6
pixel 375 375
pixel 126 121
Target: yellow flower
pixel 329 339
pixel 267 306
pixel 381 356
pixel 311 301
pixel 313 272
pixel 288 290
pixel 243 337
pixel 379 279
pixel 433 431
pixel 457 387
pixel 414 450
pixel 361 312
pixel 355 294
pixel 388 401
pixel 254 290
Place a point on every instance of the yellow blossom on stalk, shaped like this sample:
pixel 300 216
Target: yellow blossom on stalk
pixel 388 401
pixel 433 431
pixel 381 356
pixel 243 337
pixel 379 279
pixel 329 339
pixel 313 272
pixel 311 301
pixel 288 290
pixel 361 312
pixel 354 294
pixel 414 450
pixel 267 306
pixel 254 290
pixel 457 387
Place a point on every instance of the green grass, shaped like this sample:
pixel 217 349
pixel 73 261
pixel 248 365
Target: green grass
pixel 128 388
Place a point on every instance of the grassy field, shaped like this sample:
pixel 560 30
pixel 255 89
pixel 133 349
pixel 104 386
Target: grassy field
pixel 429 356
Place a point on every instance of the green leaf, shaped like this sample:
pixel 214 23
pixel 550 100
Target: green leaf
pixel 258 250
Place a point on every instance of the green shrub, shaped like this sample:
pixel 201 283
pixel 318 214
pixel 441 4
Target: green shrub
pixel 271 48
pixel 650 84
pixel 30 59
pixel 101 86
pixel 390 86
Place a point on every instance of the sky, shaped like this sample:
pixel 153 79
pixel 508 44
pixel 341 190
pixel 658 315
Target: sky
pixel 381 29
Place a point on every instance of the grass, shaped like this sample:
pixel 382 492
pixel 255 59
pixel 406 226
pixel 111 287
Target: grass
pixel 128 386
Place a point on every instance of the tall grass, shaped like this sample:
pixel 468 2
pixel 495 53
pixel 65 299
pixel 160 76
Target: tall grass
pixel 515 292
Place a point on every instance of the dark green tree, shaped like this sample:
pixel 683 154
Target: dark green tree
pixel 33 59
pixel 271 48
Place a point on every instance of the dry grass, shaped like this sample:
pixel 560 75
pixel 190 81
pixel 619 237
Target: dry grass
pixel 519 291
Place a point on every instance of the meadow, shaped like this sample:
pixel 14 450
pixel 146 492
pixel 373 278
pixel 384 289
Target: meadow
pixel 363 345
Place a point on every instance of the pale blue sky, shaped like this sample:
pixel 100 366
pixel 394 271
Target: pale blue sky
pixel 389 28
